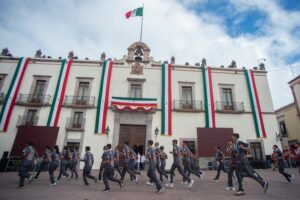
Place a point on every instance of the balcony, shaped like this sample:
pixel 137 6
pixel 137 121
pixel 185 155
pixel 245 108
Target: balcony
pixel 187 106
pixel 27 121
pixel 33 100
pixel 229 107
pixel 79 101
pixel 2 98
pixel 75 124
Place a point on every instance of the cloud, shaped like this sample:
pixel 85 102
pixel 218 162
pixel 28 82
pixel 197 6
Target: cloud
pixel 171 28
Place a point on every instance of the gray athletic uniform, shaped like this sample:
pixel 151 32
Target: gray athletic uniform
pixel 150 154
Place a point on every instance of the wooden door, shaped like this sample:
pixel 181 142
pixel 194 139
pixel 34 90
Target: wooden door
pixel 135 135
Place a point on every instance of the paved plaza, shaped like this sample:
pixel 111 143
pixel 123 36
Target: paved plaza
pixel 206 189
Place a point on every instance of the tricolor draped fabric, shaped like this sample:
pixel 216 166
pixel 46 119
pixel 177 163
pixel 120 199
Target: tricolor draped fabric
pixel 209 105
pixel 59 93
pixel 255 105
pixel 146 104
pixel 12 93
pixel 134 13
pixel 103 97
pixel 166 100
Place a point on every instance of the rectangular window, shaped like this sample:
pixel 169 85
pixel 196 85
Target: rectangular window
pixel 1 81
pixel 283 130
pixel 136 90
pixel 31 118
pixel 39 91
pixel 256 150
pixel 227 99
pixel 77 121
pixel 187 97
pixel 82 93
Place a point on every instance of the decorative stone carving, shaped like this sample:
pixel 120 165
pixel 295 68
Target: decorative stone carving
pixel 232 65
pixel 103 56
pixel 138 50
pixel 38 54
pixel 71 55
pixel 262 66
pixel 5 52
pixel 137 69
pixel 172 60
pixel 203 62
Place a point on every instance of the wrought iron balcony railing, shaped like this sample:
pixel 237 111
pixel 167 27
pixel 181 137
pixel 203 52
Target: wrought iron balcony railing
pixel 2 98
pixel 27 121
pixel 79 101
pixel 187 105
pixel 229 107
pixel 33 100
pixel 75 124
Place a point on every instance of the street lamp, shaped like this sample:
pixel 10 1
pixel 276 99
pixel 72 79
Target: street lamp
pixel 156 131
pixel 107 132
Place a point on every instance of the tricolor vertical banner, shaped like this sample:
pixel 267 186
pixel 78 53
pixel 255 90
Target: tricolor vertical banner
pixel 255 105
pixel 59 93
pixel 103 97
pixel 166 101
pixel 209 105
pixel 12 93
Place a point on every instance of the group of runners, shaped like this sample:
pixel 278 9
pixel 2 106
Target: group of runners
pixel 110 169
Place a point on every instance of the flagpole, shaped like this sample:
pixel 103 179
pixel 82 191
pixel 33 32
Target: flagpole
pixel 141 34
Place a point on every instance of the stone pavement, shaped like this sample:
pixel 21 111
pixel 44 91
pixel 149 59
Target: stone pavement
pixel 206 189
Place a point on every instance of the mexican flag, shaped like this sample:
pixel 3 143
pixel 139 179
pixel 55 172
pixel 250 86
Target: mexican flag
pixel 134 13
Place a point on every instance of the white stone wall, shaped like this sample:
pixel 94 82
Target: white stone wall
pixel 184 123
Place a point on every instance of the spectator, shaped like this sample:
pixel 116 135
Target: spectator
pixel 143 158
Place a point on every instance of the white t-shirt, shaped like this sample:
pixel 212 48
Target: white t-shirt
pixel 143 158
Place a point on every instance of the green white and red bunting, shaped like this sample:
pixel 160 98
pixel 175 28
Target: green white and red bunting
pixel 122 103
pixel 255 105
pixel 166 100
pixel 134 13
pixel 59 93
pixel 210 120
pixel 12 93
pixel 103 97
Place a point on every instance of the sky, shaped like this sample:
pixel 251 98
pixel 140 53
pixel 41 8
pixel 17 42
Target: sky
pixel 218 30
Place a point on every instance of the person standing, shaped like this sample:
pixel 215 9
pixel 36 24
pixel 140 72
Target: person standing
pixel 138 161
pixel 126 153
pixel 220 160
pixel 241 166
pixel 279 157
pixel 176 165
pixel 54 163
pixel 297 154
pixel 151 156
pixel 28 155
pixel 88 160
pixel 108 172
pixel 44 166
pixel 143 159
pixel 74 161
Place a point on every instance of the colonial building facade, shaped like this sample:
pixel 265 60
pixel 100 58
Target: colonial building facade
pixel 289 117
pixel 134 98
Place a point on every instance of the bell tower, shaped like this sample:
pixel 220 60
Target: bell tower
pixel 138 52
